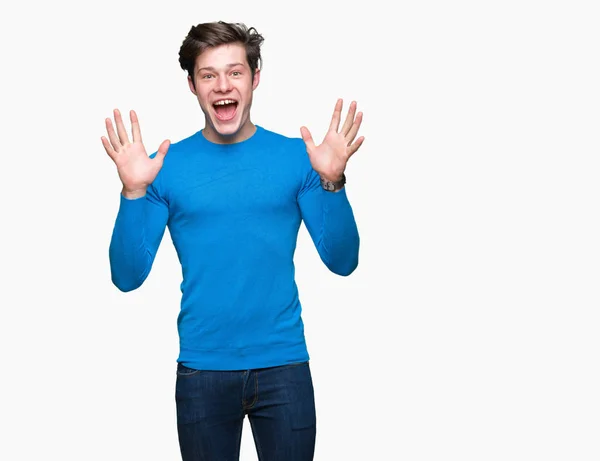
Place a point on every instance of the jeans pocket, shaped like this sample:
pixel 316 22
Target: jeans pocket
pixel 184 371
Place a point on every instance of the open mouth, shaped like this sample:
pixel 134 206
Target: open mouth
pixel 225 109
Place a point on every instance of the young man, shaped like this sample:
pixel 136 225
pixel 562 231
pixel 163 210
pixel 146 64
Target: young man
pixel 233 196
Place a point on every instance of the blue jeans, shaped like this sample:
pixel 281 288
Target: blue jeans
pixel 212 405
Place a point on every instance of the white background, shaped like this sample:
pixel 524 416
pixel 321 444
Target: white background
pixel 470 330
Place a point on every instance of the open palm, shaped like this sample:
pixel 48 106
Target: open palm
pixel 329 159
pixel 136 169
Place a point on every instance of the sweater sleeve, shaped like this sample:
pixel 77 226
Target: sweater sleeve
pixel 137 233
pixel 329 219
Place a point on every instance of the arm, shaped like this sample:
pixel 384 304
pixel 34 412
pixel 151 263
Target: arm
pixel 143 213
pixel 327 214
pixel 330 222
pixel 137 233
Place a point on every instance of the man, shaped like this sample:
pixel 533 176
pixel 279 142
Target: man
pixel 233 196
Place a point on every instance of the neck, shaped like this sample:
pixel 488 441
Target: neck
pixel 245 132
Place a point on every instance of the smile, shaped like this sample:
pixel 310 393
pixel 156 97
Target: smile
pixel 225 109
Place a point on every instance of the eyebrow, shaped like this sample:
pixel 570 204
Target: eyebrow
pixel 212 69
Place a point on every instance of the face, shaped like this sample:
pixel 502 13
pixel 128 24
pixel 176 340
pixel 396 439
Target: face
pixel 224 87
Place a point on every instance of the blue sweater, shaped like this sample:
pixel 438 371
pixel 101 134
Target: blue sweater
pixel 233 213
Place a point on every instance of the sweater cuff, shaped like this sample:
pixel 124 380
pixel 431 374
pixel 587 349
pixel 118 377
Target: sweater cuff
pixel 131 211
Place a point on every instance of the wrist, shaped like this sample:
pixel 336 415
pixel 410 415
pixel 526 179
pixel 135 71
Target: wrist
pixel 333 185
pixel 133 194
pixel 332 177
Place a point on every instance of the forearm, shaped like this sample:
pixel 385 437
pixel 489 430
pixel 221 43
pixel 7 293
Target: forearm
pixel 330 221
pixel 133 247
pixel 340 241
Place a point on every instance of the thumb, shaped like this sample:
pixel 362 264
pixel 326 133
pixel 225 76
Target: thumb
pixel 307 138
pixel 162 150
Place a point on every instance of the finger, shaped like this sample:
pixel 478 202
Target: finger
pixel 135 127
pixel 114 140
pixel 354 129
pixel 108 148
pixel 120 127
pixel 162 151
pixel 307 138
pixel 335 119
pixel 354 147
pixel 349 118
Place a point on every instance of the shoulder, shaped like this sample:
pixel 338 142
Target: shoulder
pixel 180 146
pixel 279 138
pixel 292 147
pixel 292 151
pixel 174 162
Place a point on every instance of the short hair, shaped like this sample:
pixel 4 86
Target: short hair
pixel 212 34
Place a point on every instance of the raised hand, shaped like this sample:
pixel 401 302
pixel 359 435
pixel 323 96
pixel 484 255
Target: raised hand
pixel 329 159
pixel 136 169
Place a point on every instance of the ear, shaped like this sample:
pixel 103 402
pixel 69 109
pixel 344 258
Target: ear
pixel 256 79
pixel 191 85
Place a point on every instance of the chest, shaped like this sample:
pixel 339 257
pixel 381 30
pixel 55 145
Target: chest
pixel 233 190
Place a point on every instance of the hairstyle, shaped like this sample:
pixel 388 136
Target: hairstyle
pixel 212 34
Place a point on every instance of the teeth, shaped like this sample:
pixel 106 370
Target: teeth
pixel 224 101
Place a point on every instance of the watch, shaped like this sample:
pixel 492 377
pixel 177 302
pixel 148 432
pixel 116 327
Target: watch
pixel 331 186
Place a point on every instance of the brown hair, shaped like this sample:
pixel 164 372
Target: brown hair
pixel 211 34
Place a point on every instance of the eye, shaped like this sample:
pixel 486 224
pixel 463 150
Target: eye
pixel 206 77
pixel 236 73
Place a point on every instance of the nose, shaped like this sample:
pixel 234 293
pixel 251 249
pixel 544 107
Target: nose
pixel 224 84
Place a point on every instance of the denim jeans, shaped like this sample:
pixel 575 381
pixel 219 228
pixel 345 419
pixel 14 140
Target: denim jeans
pixel 212 405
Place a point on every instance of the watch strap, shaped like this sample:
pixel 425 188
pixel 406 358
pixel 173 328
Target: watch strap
pixel 331 186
